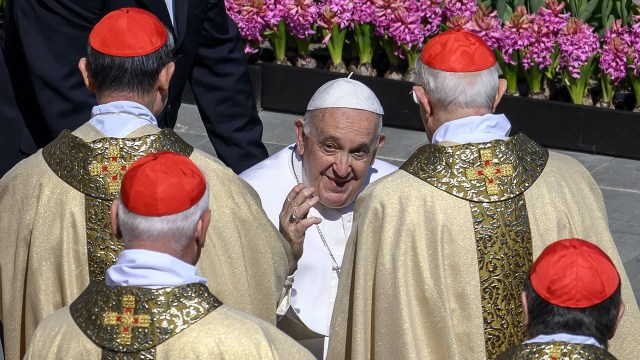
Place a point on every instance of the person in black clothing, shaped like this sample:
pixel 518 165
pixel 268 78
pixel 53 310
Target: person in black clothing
pixel 46 38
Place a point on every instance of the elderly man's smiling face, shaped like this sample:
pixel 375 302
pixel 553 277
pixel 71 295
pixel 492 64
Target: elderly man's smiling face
pixel 337 152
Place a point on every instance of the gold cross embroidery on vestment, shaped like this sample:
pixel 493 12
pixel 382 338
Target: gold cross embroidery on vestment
pixel 112 170
pixel 489 171
pixel 127 320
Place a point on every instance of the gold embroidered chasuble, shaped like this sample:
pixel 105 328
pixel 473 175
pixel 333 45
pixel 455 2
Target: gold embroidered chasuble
pixel 556 350
pixel 56 236
pixel 435 262
pixel 117 322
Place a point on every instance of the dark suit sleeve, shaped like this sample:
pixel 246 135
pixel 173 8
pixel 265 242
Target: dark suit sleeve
pixel 48 38
pixel 222 87
pixel 11 122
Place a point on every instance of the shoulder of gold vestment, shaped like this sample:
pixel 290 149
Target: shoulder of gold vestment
pixel 95 168
pixel 480 172
pixel 134 319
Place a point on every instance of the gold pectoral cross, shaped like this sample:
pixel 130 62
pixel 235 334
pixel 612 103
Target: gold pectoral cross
pixel 112 170
pixel 489 171
pixel 127 320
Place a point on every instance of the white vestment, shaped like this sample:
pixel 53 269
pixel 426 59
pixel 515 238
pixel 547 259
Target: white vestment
pixel 315 286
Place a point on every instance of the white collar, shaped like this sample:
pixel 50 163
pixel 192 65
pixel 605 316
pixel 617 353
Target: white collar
pixel 568 338
pixel 151 269
pixel 474 129
pixel 118 119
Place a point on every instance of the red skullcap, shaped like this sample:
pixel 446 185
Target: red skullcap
pixel 128 32
pixel 574 273
pixel 161 184
pixel 457 51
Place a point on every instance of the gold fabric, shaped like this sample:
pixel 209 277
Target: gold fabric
pixel 557 350
pixel 503 241
pixel 451 168
pixel 131 320
pixel 223 333
pixel 95 168
pixel 44 262
pixel 494 175
pixel 410 286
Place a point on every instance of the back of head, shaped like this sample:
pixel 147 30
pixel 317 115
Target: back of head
pixel 127 50
pixel 573 288
pixel 163 196
pixel 458 71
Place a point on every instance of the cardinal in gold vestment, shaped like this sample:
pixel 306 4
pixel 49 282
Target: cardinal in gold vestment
pixel 201 327
pixel 55 235
pixel 435 264
pixel 153 303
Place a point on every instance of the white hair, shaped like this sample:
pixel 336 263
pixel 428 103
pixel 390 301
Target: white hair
pixel 311 115
pixel 178 228
pixel 459 90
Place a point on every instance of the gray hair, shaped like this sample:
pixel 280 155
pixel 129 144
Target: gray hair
pixel 460 90
pixel 135 74
pixel 311 115
pixel 177 227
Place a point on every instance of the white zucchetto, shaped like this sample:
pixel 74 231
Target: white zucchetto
pixel 345 93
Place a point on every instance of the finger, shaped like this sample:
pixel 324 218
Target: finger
pixel 291 196
pixel 303 210
pixel 303 195
pixel 300 228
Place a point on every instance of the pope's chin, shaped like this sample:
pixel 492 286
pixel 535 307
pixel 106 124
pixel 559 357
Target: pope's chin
pixel 336 197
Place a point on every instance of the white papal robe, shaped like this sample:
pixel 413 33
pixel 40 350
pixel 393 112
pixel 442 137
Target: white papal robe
pixel 315 285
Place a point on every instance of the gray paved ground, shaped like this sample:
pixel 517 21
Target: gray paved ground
pixel 618 178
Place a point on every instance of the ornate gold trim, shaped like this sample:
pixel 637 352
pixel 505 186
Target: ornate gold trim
pixel 95 168
pixel 492 176
pixel 161 313
pixel 556 350
pixel 504 250
pixel 76 162
pixel 450 168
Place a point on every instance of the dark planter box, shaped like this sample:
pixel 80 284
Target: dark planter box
pixel 289 89
pixel 575 127
pixel 550 123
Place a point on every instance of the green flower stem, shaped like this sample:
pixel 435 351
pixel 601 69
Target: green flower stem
pixel 534 79
pixel 635 83
pixel 509 71
pixel 278 38
pixel 550 72
pixel 578 87
pixel 387 45
pixel 303 46
pixel 607 87
pixel 412 54
pixel 336 42
pixel 364 36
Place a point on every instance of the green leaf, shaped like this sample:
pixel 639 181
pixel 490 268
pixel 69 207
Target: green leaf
pixel 534 5
pixel 587 10
pixel 501 6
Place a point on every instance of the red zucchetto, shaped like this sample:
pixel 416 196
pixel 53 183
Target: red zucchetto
pixel 457 51
pixel 574 273
pixel 161 184
pixel 128 32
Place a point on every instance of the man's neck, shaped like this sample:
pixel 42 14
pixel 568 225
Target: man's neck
pixel 146 101
pixel 439 118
